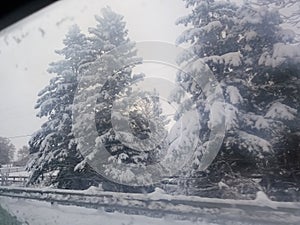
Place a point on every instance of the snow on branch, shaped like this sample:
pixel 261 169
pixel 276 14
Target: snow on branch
pixel 281 111
pixel 254 143
pixel 192 33
pixel 281 54
pixel 234 95
pixel 229 59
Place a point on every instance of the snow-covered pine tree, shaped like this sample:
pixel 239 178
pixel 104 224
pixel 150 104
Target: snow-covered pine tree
pixel 53 147
pixel 105 81
pixel 239 45
pixel 275 88
pixel 112 51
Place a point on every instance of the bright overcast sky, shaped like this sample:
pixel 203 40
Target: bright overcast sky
pixel 27 48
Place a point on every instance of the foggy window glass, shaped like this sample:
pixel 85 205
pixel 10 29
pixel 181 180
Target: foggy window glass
pixel 151 112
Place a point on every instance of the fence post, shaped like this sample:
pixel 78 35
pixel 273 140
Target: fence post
pixel 3 179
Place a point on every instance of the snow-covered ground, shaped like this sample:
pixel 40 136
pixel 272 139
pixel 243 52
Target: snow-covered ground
pixel 43 213
pixel 46 206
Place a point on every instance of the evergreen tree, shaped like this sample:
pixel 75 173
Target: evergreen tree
pixel 22 156
pixel 94 73
pixel 6 151
pixel 244 48
pixel 53 146
pixel 106 80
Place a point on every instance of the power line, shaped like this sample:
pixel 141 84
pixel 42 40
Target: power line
pixel 20 136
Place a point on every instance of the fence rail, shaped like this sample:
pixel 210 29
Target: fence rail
pixel 13 176
pixel 216 210
pixel 11 169
pixel 10 180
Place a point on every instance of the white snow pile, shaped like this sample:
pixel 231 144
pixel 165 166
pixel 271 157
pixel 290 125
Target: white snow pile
pixel 261 123
pixel 281 53
pixel 279 110
pixel 255 144
pixel 158 194
pixel 257 122
pixel 231 117
pixel 216 115
pixel 182 137
pixel 263 200
pixel 192 33
pixel 94 190
pixel 233 59
pixel 234 95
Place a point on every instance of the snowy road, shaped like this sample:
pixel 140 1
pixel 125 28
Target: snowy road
pixel 49 206
pixel 43 213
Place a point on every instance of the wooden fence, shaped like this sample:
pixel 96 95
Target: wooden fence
pixel 13 176
pixel 11 180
